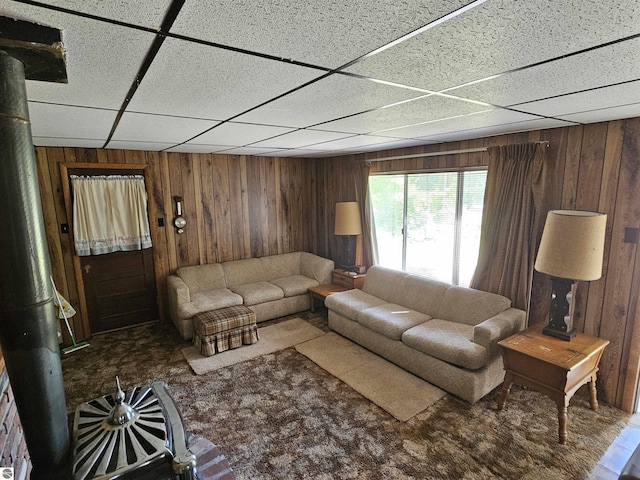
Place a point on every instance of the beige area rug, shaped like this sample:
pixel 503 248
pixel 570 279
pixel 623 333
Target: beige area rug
pixel 272 339
pixel 393 389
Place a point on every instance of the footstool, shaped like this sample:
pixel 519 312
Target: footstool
pixel 225 328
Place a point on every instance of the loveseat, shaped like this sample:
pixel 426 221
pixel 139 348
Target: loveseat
pixel 271 286
pixel 447 335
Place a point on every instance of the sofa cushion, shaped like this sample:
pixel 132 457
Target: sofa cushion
pixel 390 320
pixel 350 303
pixel 202 278
pixel 466 305
pixel 294 285
pixel 279 266
pixel 258 292
pixel 210 300
pixel 384 283
pixel 448 341
pixel 240 272
pixel 422 294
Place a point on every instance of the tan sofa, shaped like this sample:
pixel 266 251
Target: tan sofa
pixel 444 334
pixel 271 286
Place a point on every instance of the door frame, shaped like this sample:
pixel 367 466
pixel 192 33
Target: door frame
pixel 66 169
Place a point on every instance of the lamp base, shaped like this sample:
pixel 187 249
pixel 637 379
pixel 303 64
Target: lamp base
pixel 561 334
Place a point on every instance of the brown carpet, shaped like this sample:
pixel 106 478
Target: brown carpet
pixel 281 416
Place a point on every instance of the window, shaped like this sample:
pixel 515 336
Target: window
pixel 429 223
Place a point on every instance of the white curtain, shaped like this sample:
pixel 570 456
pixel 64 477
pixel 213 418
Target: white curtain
pixel 109 214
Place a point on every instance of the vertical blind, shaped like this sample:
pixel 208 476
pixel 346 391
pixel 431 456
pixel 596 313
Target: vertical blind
pixel 109 214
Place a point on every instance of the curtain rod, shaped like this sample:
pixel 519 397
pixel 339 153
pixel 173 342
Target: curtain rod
pixel 437 154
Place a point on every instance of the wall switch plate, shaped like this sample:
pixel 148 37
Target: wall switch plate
pixel 160 221
pixel 631 235
pixel 64 228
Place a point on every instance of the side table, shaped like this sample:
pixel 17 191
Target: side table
pixel 322 292
pixel 552 366
pixel 342 278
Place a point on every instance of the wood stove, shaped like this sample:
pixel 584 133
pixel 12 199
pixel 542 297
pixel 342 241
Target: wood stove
pixel 137 434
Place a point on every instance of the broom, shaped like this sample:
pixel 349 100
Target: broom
pixel 74 345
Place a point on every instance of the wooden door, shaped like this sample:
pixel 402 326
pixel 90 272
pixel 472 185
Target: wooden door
pixel 120 289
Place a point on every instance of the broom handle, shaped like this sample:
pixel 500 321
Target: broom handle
pixel 64 315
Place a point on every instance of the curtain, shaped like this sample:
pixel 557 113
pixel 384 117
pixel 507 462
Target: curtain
pixel 109 214
pixel 508 233
pixel 369 243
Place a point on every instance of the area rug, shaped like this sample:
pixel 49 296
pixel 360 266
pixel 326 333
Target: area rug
pixel 272 338
pixel 281 416
pixel 393 389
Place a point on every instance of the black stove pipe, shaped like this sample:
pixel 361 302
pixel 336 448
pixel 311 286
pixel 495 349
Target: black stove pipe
pixel 28 323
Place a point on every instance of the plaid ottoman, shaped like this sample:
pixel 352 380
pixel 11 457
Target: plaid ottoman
pixel 224 328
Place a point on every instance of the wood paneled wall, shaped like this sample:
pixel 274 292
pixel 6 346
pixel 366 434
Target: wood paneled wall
pixel 239 207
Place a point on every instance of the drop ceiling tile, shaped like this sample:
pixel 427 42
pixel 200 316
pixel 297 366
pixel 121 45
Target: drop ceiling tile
pixel 298 152
pixel 159 128
pixel 300 138
pixel 195 148
pixel 526 126
pixel 320 32
pixel 405 143
pixel 600 98
pixel 252 151
pixel 332 97
pixel 67 142
pixel 102 59
pixel 239 134
pixel 605 66
pixel 605 114
pixel 151 15
pixel 498 36
pixel 356 141
pixel 62 121
pixel 191 80
pixel 131 145
pixel 485 118
pixel 425 109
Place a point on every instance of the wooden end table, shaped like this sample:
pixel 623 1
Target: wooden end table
pixel 342 278
pixel 322 292
pixel 555 367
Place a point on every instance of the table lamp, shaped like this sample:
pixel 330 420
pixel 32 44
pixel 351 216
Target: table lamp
pixel 571 249
pixel 348 226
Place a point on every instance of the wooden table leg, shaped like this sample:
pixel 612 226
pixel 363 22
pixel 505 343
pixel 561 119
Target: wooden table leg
pixel 593 394
pixel 506 388
pixel 313 302
pixel 562 422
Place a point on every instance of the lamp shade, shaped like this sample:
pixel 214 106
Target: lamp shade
pixel 348 219
pixel 572 245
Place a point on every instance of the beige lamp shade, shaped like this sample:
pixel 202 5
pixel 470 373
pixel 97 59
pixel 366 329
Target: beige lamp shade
pixel 572 245
pixel 348 219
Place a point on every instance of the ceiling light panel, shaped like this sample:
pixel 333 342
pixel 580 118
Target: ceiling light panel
pixel 601 98
pixel 499 36
pixel 149 14
pixel 63 121
pixel 596 68
pixel 193 80
pixel 433 107
pixel 102 59
pixel 332 97
pixel 159 128
pixel 327 33
pixel 239 134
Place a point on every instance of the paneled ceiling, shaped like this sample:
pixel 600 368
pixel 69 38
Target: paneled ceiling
pixel 313 78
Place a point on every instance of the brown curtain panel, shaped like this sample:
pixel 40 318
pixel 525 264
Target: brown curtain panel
pixel 508 235
pixel 361 181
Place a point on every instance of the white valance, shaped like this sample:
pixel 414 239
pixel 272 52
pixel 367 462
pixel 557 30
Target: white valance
pixel 109 214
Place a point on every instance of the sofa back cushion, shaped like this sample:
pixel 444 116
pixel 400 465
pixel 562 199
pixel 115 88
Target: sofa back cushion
pixel 200 278
pixel 239 272
pixel 384 283
pixel 315 267
pixel 466 305
pixel 279 266
pixel 422 294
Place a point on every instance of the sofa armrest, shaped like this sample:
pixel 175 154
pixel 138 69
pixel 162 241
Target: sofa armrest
pixel 498 327
pixel 178 293
pixel 317 268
